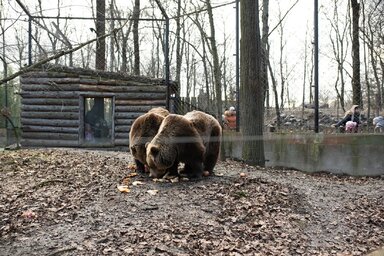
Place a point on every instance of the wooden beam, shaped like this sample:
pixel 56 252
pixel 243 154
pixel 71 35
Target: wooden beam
pixel 50 122
pixel 43 128
pixel 50 101
pixel 50 115
pixel 52 108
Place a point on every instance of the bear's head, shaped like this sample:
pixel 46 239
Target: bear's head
pixel 143 129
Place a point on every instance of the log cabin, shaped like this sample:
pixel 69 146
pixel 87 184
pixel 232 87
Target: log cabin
pixel 75 107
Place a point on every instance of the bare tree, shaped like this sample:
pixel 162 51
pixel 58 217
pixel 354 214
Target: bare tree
pixel 100 30
pixel 251 91
pixel 356 86
pixel 339 42
pixel 215 55
pixel 135 31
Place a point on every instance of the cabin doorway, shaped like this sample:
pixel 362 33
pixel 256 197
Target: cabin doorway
pixel 97 124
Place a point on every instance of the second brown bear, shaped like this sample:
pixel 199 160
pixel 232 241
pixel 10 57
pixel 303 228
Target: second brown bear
pixel 143 129
pixel 193 139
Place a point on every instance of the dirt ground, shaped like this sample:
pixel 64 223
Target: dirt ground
pixel 79 202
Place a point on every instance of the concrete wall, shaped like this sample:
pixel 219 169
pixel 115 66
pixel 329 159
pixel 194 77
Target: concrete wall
pixel 353 154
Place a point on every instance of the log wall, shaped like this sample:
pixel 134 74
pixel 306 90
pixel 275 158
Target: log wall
pixel 51 103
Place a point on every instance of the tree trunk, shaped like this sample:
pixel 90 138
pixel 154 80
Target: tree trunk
pixel 179 54
pixel 356 86
pixel 216 64
pixel 251 90
pixel 100 30
pixel 265 51
pixel 135 31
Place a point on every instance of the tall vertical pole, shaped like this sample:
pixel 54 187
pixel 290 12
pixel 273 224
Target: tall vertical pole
pixel 316 60
pixel 237 68
pixel 30 41
pixel 166 53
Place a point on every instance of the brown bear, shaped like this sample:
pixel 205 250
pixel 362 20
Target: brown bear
pixel 193 139
pixel 143 129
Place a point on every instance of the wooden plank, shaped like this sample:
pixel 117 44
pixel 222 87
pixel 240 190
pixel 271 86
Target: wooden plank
pixel 52 108
pixel 76 94
pixel 141 96
pixel 50 94
pixel 121 135
pixel 49 143
pixel 119 121
pixel 122 128
pixel 50 115
pixel 49 80
pixel 49 87
pixel 139 108
pixel 122 88
pixel 41 128
pixel 50 135
pixel 128 115
pixel 135 102
pixel 49 73
pixel 50 122
pixel 50 101
pixel 121 142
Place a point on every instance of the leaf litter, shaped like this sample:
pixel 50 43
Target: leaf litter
pixel 65 202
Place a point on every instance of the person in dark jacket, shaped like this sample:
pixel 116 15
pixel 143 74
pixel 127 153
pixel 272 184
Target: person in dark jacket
pixel 351 120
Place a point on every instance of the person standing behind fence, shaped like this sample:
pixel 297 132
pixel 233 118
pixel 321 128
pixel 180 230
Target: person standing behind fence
pixel 230 119
pixel 378 122
pixel 351 120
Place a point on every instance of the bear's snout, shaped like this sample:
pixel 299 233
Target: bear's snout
pixel 133 150
pixel 155 151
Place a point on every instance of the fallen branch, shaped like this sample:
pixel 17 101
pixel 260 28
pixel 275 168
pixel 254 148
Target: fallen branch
pixel 58 55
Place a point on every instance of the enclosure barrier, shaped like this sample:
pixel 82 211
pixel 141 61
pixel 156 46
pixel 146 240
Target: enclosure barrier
pixel 351 154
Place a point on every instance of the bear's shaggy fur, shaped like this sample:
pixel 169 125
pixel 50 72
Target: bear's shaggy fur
pixel 143 129
pixel 193 139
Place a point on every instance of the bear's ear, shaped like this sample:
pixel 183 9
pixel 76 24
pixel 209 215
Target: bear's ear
pixel 155 151
pixel 146 144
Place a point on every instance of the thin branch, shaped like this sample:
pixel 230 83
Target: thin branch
pixel 58 55
pixel 284 16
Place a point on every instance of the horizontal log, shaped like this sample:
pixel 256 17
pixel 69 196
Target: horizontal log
pixel 129 81
pixel 50 122
pixel 122 128
pixel 128 115
pixel 121 142
pixel 122 88
pixel 50 87
pixel 141 96
pixel 135 102
pixel 49 80
pixel 49 143
pixel 40 128
pixel 141 109
pixel 76 94
pixel 49 94
pixel 52 101
pixel 121 135
pixel 124 121
pixel 50 115
pixel 91 88
pixel 49 73
pixel 52 108
pixel 50 135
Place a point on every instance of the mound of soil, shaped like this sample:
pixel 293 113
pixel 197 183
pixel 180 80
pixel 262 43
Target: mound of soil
pixel 79 202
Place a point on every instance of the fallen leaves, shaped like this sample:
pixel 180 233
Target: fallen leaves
pixel 118 211
pixel 152 192
pixel 123 188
